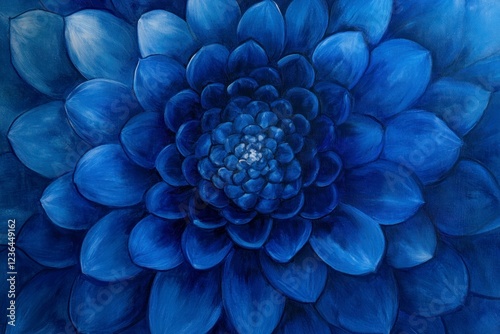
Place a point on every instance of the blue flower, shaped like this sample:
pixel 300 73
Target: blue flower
pixel 256 167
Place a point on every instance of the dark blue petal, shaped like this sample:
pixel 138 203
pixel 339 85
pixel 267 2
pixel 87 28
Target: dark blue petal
pixel 359 140
pixel 143 137
pixel 203 248
pixel 330 168
pixel 66 208
pixel 300 318
pixel 423 143
pixel 204 215
pixel 49 244
pixel 98 109
pixel 264 23
pixel 214 21
pixel 302 279
pixel 251 303
pixel 90 30
pixel 190 170
pixel 237 216
pixel 141 327
pixel 64 7
pixel 323 136
pixel 169 165
pixel 319 201
pixel 182 107
pixel 246 57
pixel 184 300
pixel 104 254
pixel 287 238
pixel 133 9
pixel 95 305
pixel 341 58
pixel 412 242
pixel 349 241
pixel 212 195
pixel 266 76
pixel 39 52
pixel 206 169
pixel 472 199
pixel 303 102
pixel 105 175
pixel 479 315
pixel 335 101
pixel 213 96
pixel 168 202
pixel 252 235
pixel 360 303
pixel 157 79
pixel 50 158
pixel 156 243
pixel 290 208
pixel 371 17
pixel 306 22
pixel 203 146
pixel 413 324
pixel 480 73
pixel 384 191
pixel 242 87
pixel 296 71
pixel 400 81
pixel 310 170
pixel 186 137
pixel 435 287
pixel 161 32
pixel 207 66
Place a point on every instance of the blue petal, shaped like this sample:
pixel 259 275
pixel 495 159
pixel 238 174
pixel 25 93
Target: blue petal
pixel 301 318
pixel 303 102
pixel 413 324
pixel 287 238
pixel 479 315
pixel 157 79
pixel 360 303
pixel 169 166
pixel 90 30
pixel 133 9
pixel 184 300
pixel 66 208
pixel 460 104
pixel 302 279
pixel 161 32
pixel 290 208
pixel 180 108
pixel 247 295
pixel 143 137
pixel 187 136
pixel 371 17
pixel 49 244
pixel 204 215
pixel 214 21
pixel 296 71
pixel 205 249
pixel 39 52
pixel 246 57
pixel 423 143
pixel 141 327
pixel 384 191
pixel 335 101
pixel 155 243
pixel 359 140
pixel 266 76
pixel 412 242
pixel 212 195
pixel 341 58
pixel 168 202
pixel 310 170
pixel 323 136
pixel 64 7
pixel 104 254
pixel 237 216
pixel 438 286
pixel 349 241
pixel 49 158
pixel 207 66
pixel 264 23
pixel 319 201
pixel 399 81
pixel 481 73
pixel 330 168
pixel 190 170
pixel 213 96
pixel 252 235
pixel 306 22
pixel 105 175
pixel 98 109
pixel 466 202
pixel 94 305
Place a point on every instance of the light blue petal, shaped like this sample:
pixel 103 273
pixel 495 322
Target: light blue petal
pixel 264 23
pixel 384 191
pixel 184 300
pixel 168 202
pixel 98 109
pixel 341 58
pixel 460 104
pixel 413 324
pixel 161 32
pixel 319 201
pixel 39 53
pixel 133 9
pixel 482 73
pixel 360 303
pixel 369 16
pixel 306 22
pixel 302 279
pixel 252 235
pixel 101 45
pixel 466 202
pixel 205 249
pixel 301 318
pixel 392 84
pixel 479 315
pixel 105 175
pixel 412 242
pixel 438 286
pixel 157 79
pixel 155 243
pixel 50 158
pixel 246 294
pixel 214 21
pixel 104 254
pixel 423 143
pixel 287 238
pixel 66 208
pixel 207 66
